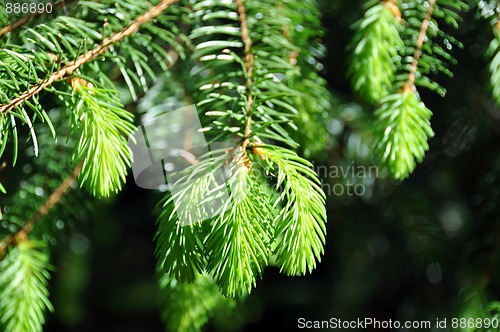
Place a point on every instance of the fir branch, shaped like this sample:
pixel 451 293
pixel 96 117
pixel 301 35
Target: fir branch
pixel 22 21
pixel 17 24
pixel 238 245
pixel 494 65
pixel 375 47
pixel 44 209
pixel 269 97
pixel 187 307
pixel 423 56
pixel 314 100
pixel 24 295
pixel 54 198
pixel 89 56
pixel 103 126
pixel 403 128
pixel 180 238
pixel 248 61
pixel 300 226
pixel 403 121
pixel 410 83
pixel 179 247
pixel 243 59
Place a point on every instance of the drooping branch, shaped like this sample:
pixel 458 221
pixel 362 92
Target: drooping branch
pixel 89 56
pixel 22 21
pixel 409 84
pixel 16 24
pixel 249 62
pixel 44 209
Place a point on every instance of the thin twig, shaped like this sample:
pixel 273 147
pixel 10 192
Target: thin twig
pixel 22 21
pixel 409 85
pixel 89 56
pixel 249 61
pixel 44 209
pixel 16 24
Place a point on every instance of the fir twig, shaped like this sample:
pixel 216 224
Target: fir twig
pixel 16 24
pixel 249 60
pixel 46 207
pixel 24 277
pixel 409 85
pixel 22 21
pixel 375 51
pixel 89 56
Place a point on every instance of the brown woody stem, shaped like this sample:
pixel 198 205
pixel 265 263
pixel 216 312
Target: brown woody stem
pixel 89 56
pixel 22 21
pixel 44 209
pixel 249 61
pixel 410 83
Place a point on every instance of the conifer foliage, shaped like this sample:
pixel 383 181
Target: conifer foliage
pixel 256 67
pixel 418 49
pixel 23 283
pixel 491 12
pixel 72 85
pixel 254 106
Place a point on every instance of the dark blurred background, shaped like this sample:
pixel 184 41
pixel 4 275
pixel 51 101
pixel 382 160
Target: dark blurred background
pixel 425 248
